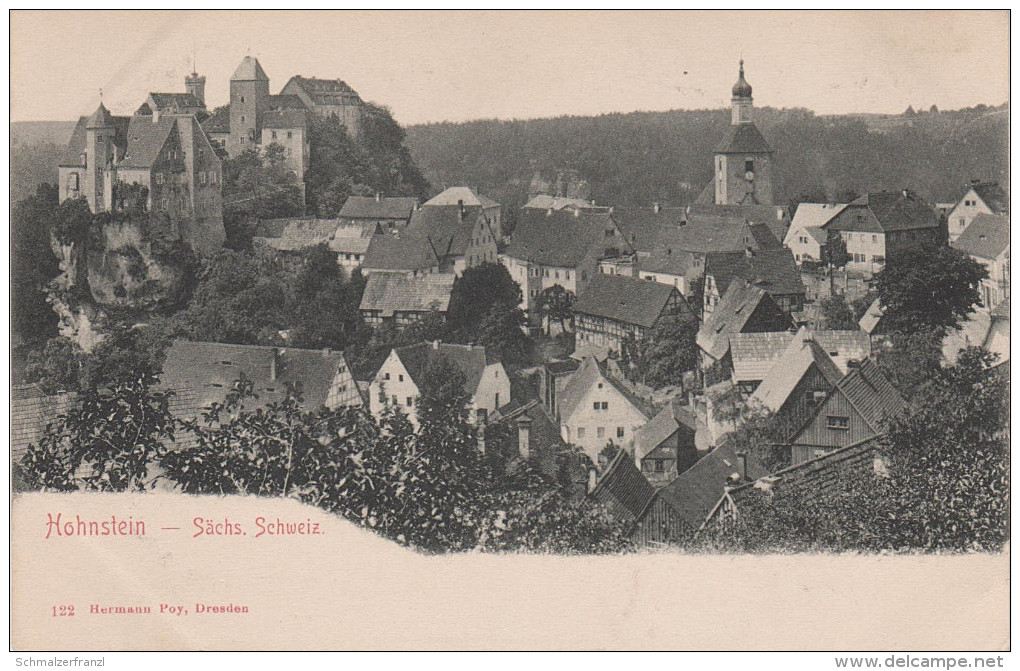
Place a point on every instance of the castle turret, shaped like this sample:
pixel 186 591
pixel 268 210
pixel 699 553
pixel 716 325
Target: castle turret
pixel 195 85
pixel 98 159
pixel 249 97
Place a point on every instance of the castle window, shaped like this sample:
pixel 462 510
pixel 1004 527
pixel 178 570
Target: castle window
pixel 290 135
pixel 274 134
pixel 242 100
pixel 242 118
pixel 72 182
pixel 749 165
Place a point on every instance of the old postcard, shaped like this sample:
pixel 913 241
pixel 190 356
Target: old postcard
pixel 534 330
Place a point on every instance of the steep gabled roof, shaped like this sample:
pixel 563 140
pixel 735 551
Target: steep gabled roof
pixel 446 226
pixel 986 237
pixel 790 368
pixel 641 226
pixel 452 195
pixel 76 145
pixel 993 196
pixel 624 299
pixel 562 238
pixel 286 102
pixel 662 426
pixel 353 238
pixel 754 354
pixel 326 91
pixel 367 207
pixel 775 217
pixel 731 315
pixel 386 252
pixel 813 215
pixel 744 138
pixel 172 101
pixel 208 371
pixel 470 360
pixel 774 270
pixel 145 139
pixel 622 488
pixel 249 70
pixel 871 394
pixel 298 233
pixel 389 293
pixel 285 118
pixel 893 210
pixel 590 372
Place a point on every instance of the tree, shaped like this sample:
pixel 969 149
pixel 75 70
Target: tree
pixel 502 334
pixel 929 287
pixel 476 293
pixel 33 265
pixel 556 304
pixel 834 255
pixel 257 186
pixel 669 351
pixel 911 359
pixel 837 314
pixel 125 354
pixel 108 441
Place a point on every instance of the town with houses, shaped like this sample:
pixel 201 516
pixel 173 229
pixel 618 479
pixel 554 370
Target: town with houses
pixel 659 332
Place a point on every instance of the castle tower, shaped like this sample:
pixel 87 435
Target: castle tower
pixel 195 85
pixel 249 96
pixel 100 153
pixel 743 160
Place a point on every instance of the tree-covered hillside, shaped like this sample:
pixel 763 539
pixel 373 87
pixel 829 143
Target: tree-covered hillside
pixel 643 157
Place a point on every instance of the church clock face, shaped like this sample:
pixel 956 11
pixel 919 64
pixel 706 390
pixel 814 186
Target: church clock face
pixel 749 175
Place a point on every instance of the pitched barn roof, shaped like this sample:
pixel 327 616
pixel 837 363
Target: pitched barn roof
pixel 208 371
pixel 325 91
pixel 454 194
pixel 446 226
pixel 893 211
pixel 470 360
pixel 789 369
pixel 624 299
pixel 993 196
pixel 388 293
pixel 388 253
pixel 744 138
pixel 730 316
pixel 813 215
pixel 353 238
pixel 871 394
pixel 662 426
pixel 286 102
pixel 754 354
pixel 219 122
pixel 622 488
pixel 986 237
pixel 704 233
pixel 167 101
pixel 775 217
pixel 297 233
pixel 774 270
pixel 367 207
pixel 561 238
pixel 641 226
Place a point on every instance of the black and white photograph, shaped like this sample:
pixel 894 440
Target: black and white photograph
pixel 642 316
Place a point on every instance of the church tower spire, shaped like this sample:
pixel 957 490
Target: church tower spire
pixel 743 103
pixel 743 160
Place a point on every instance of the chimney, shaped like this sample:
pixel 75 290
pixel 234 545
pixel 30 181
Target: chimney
pixel 592 202
pixel 853 364
pixel 435 344
pixel 378 196
pixel 593 478
pixel 742 465
pixel 481 438
pixel 906 193
pixel 326 351
pixel 524 436
pixel 274 363
pixel 577 212
pixel 549 212
pixel 656 208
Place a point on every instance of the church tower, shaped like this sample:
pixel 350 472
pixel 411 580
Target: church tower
pixel 743 160
pixel 249 97
pixel 98 160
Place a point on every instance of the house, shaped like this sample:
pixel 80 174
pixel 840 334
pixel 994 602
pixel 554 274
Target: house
pixel 399 381
pixel 594 408
pixel 551 247
pixel 665 447
pixel 806 237
pixel 744 308
pixel 293 234
pixel 878 227
pixel 400 299
pixel 774 270
pixel 392 214
pixel 552 377
pixel 462 195
pixel 754 354
pixel 613 307
pixel 810 480
pixel 981 198
pixel 986 240
pixel 329 98
pixel 641 226
pixel 386 254
pixel 680 509
pixel 461 236
pixel 168 157
pixel 542 201
pixel 857 408
pixel 350 243
pixel 798 382
pixel 622 489
pixel 874 323
pixel 176 103
pixel 208 371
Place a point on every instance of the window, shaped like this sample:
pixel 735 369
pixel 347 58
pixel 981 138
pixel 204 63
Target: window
pixel 802 239
pixel 496 401
pixel 874 238
pixel 274 134
pixel 242 140
pixel 400 378
pixel 72 182
pixel 660 466
pixel 557 274
pixel 386 376
pixel 566 274
pixel 749 165
pixel 837 422
pixel 595 405
pixel 242 100
pixel 879 260
pixel 242 119
pixel 619 432
pixel 605 405
pixel 213 176
pixel 394 397
pixel 290 135
pixel 600 432
pixel 203 177
pixel 410 401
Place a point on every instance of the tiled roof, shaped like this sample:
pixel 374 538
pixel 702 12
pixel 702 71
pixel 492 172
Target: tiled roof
pixel 669 261
pixel 871 321
pixel 1001 310
pixel 744 138
pixel 641 226
pixel 993 196
pixel 545 441
pixel 754 354
pixel 775 217
pixel 470 360
pixel 624 299
pixel 31 412
pixel 207 372
pixel 272 228
pixel 250 69
pixel 145 139
pixel 367 207
pixel 101 118
pixel 326 91
pixel 179 101
pixel 871 394
pixel 774 270
pixel 285 118
pixel 219 122
pixel 813 215
pixel 731 315
pixel 789 369
pixel 389 293
pixel 545 202
pixel 286 102
pixel 353 238
pixel 297 233
pixel 386 252
pixel 76 145
pixel 562 238
pixel 623 489
pixel 446 226
pixel 452 195
pixel 704 233
pixel 893 210
pixel 696 491
pixel 662 426
pixel 986 236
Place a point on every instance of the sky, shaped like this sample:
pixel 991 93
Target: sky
pixel 461 65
